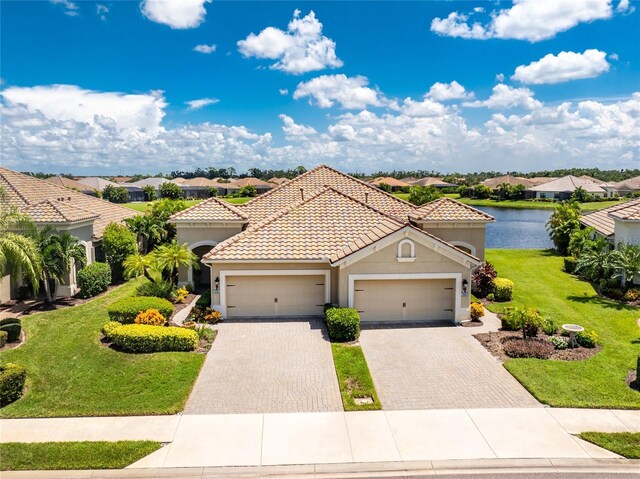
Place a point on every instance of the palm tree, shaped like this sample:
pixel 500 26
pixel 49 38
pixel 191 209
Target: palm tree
pixel 626 262
pixel 139 265
pixel 150 231
pixel 70 251
pixel 171 256
pixel 18 251
pixel 595 263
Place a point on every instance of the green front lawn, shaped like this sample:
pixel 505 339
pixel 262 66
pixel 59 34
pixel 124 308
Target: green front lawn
pixel 598 382
pixel 70 373
pixel 627 444
pixel 39 456
pixel 237 201
pixel 141 206
pixel 354 378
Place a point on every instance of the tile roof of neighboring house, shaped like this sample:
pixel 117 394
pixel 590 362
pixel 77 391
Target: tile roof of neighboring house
pixel 211 209
pixel 568 183
pixel 632 184
pixel 603 220
pixel 318 178
pixel 259 184
pixel 387 180
pixel 540 180
pixel 156 182
pixel 69 183
pixel 96 183
pixel 24 190
pixel 57 211
pixel 494 183
pixel 431 181
pixel 179 180
pixel 591 178
pixel 278 181
pixel 121 179
pixel 198 181
pixel 446 209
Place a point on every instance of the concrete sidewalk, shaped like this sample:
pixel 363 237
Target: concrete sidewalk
pixel 335 438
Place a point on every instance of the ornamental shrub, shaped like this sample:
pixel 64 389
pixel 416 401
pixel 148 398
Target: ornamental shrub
pixel 171 190
pixel 126 310
pixel 143 338
pixel 527 348
pixel 343 324
pixel 161 289
pixel 483 279
pixel 477 311
pixel 180 294
pixel 151 316
pixel 12 379
pixel 503 289
pixel 632 294
pixel 559 342
pixel 109 328
pixel 13 331
pixel 4 336
pixel 570 264
pixel 94 279
pixel 9 321
pixel 491 297
pixel 549 326
pixel 118 242
pixel 527 320
pixel 587 338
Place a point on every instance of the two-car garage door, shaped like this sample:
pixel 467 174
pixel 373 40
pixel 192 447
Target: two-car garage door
pixel 275 296
pixel 405 299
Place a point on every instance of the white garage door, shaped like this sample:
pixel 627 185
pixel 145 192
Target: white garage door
pixel 405 300
pixel 275 296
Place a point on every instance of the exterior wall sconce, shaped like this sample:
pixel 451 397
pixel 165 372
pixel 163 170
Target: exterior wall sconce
pixel 465 286
pixel 216 283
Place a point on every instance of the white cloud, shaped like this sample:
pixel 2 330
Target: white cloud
pixel 206 49
pixel 301 49
pixel 283 91
pixel 293 130
pixel 614 57
pixel 70 8
pixel 566 66
pixel 500 77
pixel 531 20
pixel 178 14
pixel 201 103
pixel 448 91
pixel 352 93
pixel 141 112
pixel 101 11
pixel 504 97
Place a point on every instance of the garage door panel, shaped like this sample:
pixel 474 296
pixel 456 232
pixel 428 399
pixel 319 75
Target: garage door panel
pixel 405 300
pixel 272 296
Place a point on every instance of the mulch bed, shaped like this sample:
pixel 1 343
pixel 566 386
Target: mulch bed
pixel 472 324
pixel 493 342
pixel 15 344
pixel 177 307
pixel 633 381
pixel 60 303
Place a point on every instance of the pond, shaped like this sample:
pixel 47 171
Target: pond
pixel 517 228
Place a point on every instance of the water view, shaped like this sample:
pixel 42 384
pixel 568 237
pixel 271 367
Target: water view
pixel 517 228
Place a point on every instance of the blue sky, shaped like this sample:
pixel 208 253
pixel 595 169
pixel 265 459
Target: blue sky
pixel 103 87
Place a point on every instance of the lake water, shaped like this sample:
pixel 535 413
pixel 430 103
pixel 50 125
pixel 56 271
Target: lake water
pixel 517 228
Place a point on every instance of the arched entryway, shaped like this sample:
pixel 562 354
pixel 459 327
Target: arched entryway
pixel 202 276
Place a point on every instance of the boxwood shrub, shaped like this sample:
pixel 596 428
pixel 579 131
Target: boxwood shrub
pixel 12 379
pixel 94 279
pixel 143 338
pixel 126 310
pixel 343 324
pixel 109 328
pixel 570 264
pixel 502 289
pixel 12 327
pixel 4 336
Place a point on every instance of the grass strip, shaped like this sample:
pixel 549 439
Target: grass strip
pixel 627 444
pixel 354 378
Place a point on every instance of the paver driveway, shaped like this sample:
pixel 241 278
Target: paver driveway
pixel 266 367
pixel 437 367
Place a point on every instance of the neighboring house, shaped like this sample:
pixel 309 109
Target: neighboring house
pixel 494 183
pixel 431 181
pixel 189 191
pixel 121 179
pixel 71 184
pixel 236 185
pixel 81 215
pixel 99 184
pixel 202 185
pixel 326 237
pixel 618 223
pixel 563 188
pixel 278 181
pixel 394 183
pixel 540 180
pixel 628 187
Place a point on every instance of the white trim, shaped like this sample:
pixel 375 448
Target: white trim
pixel 271 272
pixel 469 246
pixel 458 310
pixel 264 261
pixel 191 248
pixel 412 250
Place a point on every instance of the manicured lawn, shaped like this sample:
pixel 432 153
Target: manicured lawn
pixel 142 205
pixel 598 382
pixel 354 378
pixel 238 201
pixel 38 456
pixel 70 373
pixel 626 444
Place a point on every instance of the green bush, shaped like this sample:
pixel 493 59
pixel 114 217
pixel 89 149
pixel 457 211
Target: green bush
pixel 502 289
pixel 570 264
pixel 343 324
pixel 587 338
pixel 638 370
pixel 162 289
pixel 527 320
pixel 109 328
pixel 12 379
pixel 4 336
pixel 126 310
pixel 13 331
pixel 632 294
pixel 549 326
pixel 559 342
pixel 143 338
pixel 491 297
pixel 9 321
pixel 94 279
pixel 118 243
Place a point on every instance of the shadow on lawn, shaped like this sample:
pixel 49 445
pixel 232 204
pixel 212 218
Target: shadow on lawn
pixel 600 301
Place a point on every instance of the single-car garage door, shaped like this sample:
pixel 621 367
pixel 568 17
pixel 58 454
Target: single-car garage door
pixel 275 296
pixel 405 299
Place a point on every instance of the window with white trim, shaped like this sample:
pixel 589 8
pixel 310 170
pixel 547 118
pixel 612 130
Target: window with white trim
pixel 406 250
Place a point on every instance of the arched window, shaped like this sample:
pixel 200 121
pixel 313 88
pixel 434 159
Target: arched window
pixel 406 250
pixel 466 247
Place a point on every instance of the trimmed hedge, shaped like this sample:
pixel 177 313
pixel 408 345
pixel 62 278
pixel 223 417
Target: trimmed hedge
pixel 9 321
pixel 502 289
pixel 143 338
pixel 4 336
pixel 126 310
pixel 570 264
pixel 13 330
pixel 109 328
pixel 12 379
pixel 94 279
pixel 343 324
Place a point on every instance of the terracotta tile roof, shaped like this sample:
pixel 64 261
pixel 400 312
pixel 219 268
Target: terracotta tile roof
pixel 389 181
pixel 24 191
pixel 198 181
pixel 316 179
pixel 57 211
pixel 449 210
pixel 632 184
pixel 603 220
pixel 431 181
pixel 568 183
pixel 278 181
pixel 97 183
pixel 494 183
pixel 541 180
pixel 259 184
pixel 327 225
pixel 211 209
pixel 69 183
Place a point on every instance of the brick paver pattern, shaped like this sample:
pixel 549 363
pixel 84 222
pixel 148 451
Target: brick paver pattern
pixel 267 367
pixel 436 368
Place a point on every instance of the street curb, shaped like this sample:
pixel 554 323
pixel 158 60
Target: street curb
pixel 346 471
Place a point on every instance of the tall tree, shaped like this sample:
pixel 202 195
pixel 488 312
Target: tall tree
pixel 564 221
pixel 170 257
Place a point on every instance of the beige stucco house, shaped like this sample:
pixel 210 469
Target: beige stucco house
pixel 618 223
pixel 326 237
